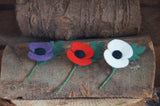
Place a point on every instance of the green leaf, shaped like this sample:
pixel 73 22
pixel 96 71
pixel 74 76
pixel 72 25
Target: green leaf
pixel 41 62
pixel 57 48
pixel 52 43
pixel 77 65
pixel 93 45
pixel 136 52
pixel 97 47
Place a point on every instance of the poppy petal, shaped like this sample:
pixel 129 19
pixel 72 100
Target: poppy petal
pixel 116 63
pixel 48 48
pixel 78 61
pixel 38 58
pixel 122 46
pixel 89 52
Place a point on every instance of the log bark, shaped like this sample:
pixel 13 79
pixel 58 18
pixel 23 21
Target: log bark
pixel 5 102
pixel 71 19
pixel 135 81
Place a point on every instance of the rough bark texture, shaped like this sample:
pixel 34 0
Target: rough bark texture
pixel 5 102
pixel 136 81
pixel 71 19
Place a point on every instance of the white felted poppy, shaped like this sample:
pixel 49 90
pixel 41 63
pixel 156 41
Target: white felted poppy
pixel 118 53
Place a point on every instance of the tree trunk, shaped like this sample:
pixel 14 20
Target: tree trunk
pixel 71 19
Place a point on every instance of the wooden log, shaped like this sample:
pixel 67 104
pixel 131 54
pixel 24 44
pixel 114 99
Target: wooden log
pixel 5 102
pixel 135 81
pixel 71 19
pixel 80 102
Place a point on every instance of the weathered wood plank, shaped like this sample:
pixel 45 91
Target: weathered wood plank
pixel 79 102
pixel 135 81
pixel 4 102
pixel 10 33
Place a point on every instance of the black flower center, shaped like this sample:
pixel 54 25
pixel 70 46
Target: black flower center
pixel 117 54
pixel 79 53
pixel 40 51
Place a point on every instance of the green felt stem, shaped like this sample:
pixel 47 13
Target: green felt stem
pixel 67 79
pixel 31 73
pixel 106 81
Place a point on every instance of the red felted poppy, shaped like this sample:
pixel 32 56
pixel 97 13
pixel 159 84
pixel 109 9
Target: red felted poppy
pixel 80 54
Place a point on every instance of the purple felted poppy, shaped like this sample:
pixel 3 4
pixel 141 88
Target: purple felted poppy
pixel 40 51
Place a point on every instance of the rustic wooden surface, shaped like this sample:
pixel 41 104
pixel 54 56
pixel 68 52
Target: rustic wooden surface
pixel 136 81
pixel 73 102
pixel 10 33
pixel 71 19
pixel 79 102
pixel 150 23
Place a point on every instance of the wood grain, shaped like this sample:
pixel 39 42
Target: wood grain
pixel 72 19
pixel 5 102
pixel 136 81
pixel 79 102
